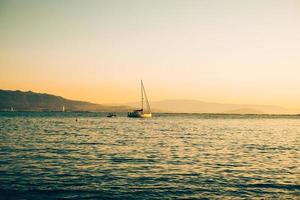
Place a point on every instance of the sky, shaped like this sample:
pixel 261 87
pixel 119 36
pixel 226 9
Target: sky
pixel 233 51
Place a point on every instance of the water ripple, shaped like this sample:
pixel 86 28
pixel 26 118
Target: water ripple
pixel 55 156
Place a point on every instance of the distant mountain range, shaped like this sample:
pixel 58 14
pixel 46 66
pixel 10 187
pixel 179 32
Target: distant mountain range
pixel 194 106
pixel 31 101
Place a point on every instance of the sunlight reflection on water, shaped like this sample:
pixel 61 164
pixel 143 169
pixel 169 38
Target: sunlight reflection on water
pixel 174 156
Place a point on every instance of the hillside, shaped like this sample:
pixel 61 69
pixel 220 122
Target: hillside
pixel 195 106
pixel 31 101
pixel 244 111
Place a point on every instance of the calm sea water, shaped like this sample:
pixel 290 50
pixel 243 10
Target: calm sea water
pixel 55 156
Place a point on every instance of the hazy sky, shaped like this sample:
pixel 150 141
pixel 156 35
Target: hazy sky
pixel 229 51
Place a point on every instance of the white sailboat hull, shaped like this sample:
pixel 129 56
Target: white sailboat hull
pixel 136 114
pixel 149 115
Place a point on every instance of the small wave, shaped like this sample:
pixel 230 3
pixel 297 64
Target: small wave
pixel 273 186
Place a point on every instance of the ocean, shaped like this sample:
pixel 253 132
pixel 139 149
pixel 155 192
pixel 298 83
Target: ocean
pixel 52 155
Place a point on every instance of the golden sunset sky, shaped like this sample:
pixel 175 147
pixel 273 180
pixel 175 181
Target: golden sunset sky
pixel 229 51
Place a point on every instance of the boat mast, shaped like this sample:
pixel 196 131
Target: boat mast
pixel 148 105
pixel 142 86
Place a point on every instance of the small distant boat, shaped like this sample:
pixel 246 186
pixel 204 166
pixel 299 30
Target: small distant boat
pixel 144 112
pixel 111 115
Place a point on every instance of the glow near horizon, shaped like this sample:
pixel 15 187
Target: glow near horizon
pixel 221 51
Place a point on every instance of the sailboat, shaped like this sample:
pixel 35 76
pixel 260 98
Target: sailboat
pixel 145 111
